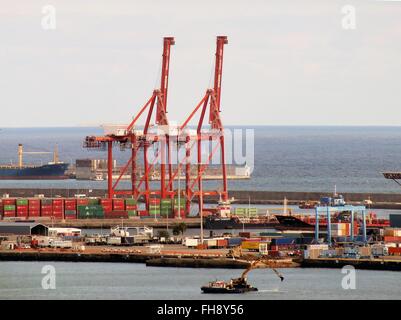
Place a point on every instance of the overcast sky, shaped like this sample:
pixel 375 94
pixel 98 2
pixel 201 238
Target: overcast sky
pixel 287 62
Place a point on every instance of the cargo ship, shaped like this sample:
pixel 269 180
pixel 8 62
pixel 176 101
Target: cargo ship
pixel 50 171
pixel 308 221
pixel 215 222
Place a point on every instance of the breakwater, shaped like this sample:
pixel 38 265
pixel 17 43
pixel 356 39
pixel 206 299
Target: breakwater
pixel 380 200
pixel 368 264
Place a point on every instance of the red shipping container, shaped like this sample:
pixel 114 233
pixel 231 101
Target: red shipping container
pixel 22 214
pixel 8 201
pixel 82 202
pixel 70 217
pixel 34 213
pixel 143 213
pixel 116 215
pixel 131 207
pixel 222 243
pixel 46 206
pixel 394 251
pixel 118 204
pixel 181 215
pixel 9 213
pixel 106 202
pixel 58 202
pixel 46 213
pixel 392 239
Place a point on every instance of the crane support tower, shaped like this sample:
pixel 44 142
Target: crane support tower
pixel 211 100
pixel 139 140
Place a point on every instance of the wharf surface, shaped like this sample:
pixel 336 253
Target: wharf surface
pixel 159 260
pixel 380 200
pixel 388 263
pixel 109 223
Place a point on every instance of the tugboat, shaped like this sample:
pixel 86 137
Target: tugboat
pixel 240 285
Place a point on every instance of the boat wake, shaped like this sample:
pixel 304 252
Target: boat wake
pixel 275 290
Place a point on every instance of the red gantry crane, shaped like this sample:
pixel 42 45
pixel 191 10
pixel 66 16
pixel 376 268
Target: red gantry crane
pixel 140 140
pixel 211 101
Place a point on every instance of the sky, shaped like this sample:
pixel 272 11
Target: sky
pixel 286 63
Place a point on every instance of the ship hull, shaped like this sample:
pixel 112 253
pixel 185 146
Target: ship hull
pixel 230 223
pixel 227 290
pixel 45 172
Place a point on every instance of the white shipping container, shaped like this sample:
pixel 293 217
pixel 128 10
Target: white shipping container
pixel 61 244
pixel 114 240
pixel 317 246
pixel 211 242
pixel 191 242
pixel 379 250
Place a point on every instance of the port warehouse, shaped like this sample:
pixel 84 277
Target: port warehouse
pixel 23 228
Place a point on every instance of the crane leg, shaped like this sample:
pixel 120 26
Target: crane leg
pixel 278 274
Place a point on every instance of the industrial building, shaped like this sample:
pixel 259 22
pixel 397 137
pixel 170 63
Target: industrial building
pixel 23 228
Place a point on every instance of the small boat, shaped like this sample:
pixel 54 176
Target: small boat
pixel 240 285
pixel 233 286
pixel 308 204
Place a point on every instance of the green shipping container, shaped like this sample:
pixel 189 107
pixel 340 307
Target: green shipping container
pixel 46 201
pixel 132 213
pixel 9 207
pixel 22 202
pixel 93 201
pixel 90 215
pixel 130 202
pixel 92 207
pixel 70 212
pixel 90 212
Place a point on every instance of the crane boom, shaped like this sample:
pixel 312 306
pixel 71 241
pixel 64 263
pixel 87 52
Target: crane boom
pixel 261 263
pixel 218 68
pixel 162 103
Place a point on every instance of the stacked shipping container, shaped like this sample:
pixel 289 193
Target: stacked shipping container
pixel 70 208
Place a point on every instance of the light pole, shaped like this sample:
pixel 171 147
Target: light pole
pixel 179 178
pixel 201 207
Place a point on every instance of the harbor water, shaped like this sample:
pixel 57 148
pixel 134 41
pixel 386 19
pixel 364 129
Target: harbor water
pixel 285 158
pixel 117 281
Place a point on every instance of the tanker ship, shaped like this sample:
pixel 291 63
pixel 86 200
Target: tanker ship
pixel 52 170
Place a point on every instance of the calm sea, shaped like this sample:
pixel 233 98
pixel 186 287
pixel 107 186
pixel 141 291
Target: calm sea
pixel 285 158
pixel 22 280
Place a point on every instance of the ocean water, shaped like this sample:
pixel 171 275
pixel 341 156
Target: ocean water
pixel 285 158
pixel 22 280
